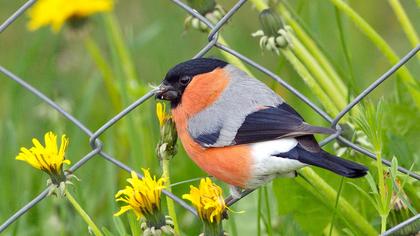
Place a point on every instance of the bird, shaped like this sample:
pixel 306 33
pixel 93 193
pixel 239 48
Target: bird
pixel 238 130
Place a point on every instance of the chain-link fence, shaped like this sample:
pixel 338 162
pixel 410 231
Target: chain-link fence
pixel 97 145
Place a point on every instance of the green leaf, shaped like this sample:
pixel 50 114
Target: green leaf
pixel 390 186
pixel 134 224
pixel 371 183
pixel 106 232
pixel 348 232
pixel 394 168
pixel 372 200
pixel 120 226
pixel 400 190
pixel 296 201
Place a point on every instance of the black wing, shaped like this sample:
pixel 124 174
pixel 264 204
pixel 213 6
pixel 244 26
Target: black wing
pixel 273 123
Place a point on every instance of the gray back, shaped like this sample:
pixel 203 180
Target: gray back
pixel 242 96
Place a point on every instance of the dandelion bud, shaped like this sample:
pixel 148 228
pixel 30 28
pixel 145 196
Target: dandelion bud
pixel 202 6
pixel 209 9
pixel 270 22
pixel 166 147
pixel 273 34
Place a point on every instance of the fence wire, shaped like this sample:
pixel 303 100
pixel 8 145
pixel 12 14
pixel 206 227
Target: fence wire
pixel 97 145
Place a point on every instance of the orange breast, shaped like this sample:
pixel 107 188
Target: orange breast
pixel 229 164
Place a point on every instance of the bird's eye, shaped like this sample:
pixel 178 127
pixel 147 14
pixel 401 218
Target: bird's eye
pixel 184 80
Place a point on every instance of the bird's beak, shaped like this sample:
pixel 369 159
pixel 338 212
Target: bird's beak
pixel 166 92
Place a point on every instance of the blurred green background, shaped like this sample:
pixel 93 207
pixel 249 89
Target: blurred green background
pixel 60 66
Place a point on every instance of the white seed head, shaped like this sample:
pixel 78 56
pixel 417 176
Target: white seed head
pixel 203 26
pixel 212 18
pixel 258 33
pixel 195 23
pixel 281 41
pixel 143 226
pixel 218 15
pixel 263 41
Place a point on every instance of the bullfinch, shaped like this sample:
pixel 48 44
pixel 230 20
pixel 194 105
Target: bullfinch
pixel 238 130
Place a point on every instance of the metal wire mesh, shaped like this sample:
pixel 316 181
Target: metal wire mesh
pixel 97 145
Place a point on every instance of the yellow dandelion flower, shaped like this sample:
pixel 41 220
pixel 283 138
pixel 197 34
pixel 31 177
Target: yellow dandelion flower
pixel 161 113
pixel 208 200
pixel 50 158
pixel 143 196
pixel 57 12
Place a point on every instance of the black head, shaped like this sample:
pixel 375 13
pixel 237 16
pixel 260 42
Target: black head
pixel 178 78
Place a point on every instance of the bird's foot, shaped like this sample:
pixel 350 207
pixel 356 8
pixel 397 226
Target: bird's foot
pixel 235 192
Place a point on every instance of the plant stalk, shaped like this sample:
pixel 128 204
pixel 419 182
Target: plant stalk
pixel 340 188
pixel 259 212
pixel 336 95
pixel 169 201
pixel 382 190
pixel 326 194
pixel 122 52
pixel 310 81
pixel 383 223
pixel 128 85
pixel 308 43
pixel 83 214
pixel 267 208
pixel 312 47
pixel 106 71
pixel 383 46
pixel 405 22
pixel 232 59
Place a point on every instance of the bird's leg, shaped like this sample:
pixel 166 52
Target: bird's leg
pixel 235 195
pixel 235 192
pixel 292 174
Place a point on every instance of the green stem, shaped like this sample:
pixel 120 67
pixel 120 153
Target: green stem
pixel 338 97
pixel 260 5
pixel 333 81
pixel 326 194
pixel 169 201
pixel 310 81
pixel 259 213
pixel 127 81
pixel 83 214
pixel 121 49
pixel 380 173
pixel 382 190
pixel 383 46
pixel 106 71
pixel 233 226
pixel 267 206
pixel 231 58
pixel 213 229
pixel 316 52
pixel 135 226
pixel 337 198
pixel 383 224
pixel 351 83
pixel 405 23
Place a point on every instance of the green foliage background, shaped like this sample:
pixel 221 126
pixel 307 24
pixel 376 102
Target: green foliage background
pixel 60 66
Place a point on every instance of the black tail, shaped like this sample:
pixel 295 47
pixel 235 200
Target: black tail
pixel 327 161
